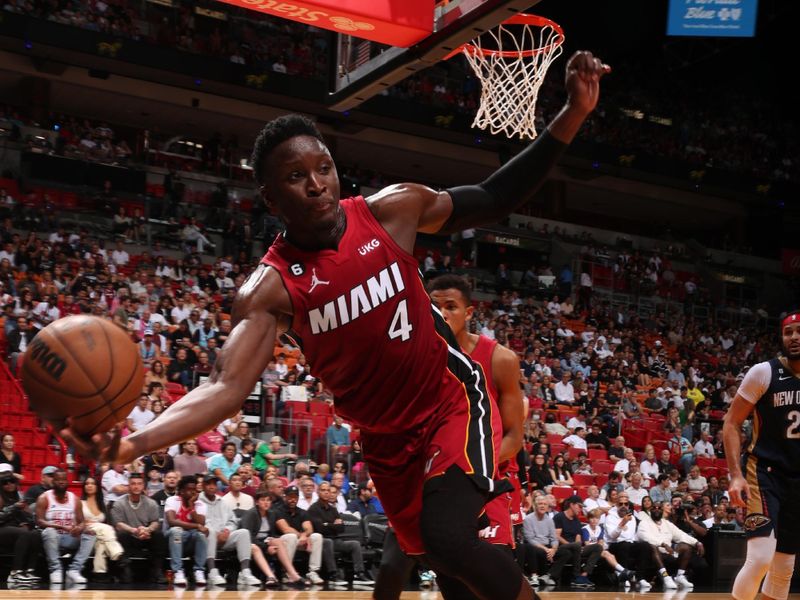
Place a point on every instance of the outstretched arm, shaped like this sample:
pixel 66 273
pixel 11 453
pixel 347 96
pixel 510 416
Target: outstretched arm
pixel 242 360
pixel 515 183
pixel 511 186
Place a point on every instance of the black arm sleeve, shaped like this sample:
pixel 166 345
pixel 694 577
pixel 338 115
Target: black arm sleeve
pixel 508 188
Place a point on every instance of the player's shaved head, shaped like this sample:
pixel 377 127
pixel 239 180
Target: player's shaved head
pixel 275 133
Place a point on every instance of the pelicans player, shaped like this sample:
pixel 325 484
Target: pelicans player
pixel 769 488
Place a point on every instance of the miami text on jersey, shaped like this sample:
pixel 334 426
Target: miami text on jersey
pixel 358 301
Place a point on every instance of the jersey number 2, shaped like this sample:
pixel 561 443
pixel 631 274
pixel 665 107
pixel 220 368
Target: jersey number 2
pixel 400 327
pixel 793 431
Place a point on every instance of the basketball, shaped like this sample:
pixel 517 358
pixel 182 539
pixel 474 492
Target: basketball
pixel 82 367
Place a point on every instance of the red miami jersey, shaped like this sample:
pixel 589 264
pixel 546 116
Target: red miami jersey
pixel 364 321
pixel 500 509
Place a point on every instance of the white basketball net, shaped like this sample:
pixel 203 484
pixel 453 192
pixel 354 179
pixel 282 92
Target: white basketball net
pixel 511 73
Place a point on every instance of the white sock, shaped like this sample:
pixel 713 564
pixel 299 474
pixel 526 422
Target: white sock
pixel 663 572
pixel 619 568
pixel 681 572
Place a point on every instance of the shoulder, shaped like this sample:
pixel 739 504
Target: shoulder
pixel 399 196
pixel 263 290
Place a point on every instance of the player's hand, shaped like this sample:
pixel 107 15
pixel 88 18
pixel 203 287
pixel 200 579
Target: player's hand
pixel 103 447
pixel 701 550
pixel 738 490
pixel 583 80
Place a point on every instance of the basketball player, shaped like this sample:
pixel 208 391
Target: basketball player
pixel 770 486
pixel 451 294
pixel 391 362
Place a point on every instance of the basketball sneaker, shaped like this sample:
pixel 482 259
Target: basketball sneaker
pixel 246 577
pixel 427 579
pixel 644 585
pixel 74 576
pixel 179 579
pixel 56 576
pixel 314 578
pixel 668 583
pixel 199 577
pixel 215 578
pixel 683 582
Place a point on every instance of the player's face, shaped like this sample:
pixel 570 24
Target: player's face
pixel 791 341
pixel 303 185
pixel 454 308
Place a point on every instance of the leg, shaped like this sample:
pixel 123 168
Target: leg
pixel 283 558
pixel 100 564
pixel 450 534
pixel 211 548
pixel 200 548
pixel 590 554
pixel 175 549
pixel 328 557
pixel 779 577
pixel 50 543
pixel 684 555
pixel 258 557
pixel 353 548
pixel 560 560
pixel 315 554
pixel 240 540
pixel 86 543
pixel 290 543
pixel 394 571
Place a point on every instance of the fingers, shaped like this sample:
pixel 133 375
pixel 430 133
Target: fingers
pixel 587 65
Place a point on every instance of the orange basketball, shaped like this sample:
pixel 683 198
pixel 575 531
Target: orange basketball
pixel 83 367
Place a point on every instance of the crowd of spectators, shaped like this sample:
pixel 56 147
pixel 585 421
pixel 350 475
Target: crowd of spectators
pixel 611 371
pixel 243 37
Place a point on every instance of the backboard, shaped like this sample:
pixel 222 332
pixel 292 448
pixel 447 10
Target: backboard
pixel 364 68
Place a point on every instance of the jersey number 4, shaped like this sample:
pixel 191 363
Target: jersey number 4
pixel 400 327
pixel 793 431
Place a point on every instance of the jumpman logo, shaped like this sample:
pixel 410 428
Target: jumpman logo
pixel 315 281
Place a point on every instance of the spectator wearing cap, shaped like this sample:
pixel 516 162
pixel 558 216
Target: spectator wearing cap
pixel 270 454
pixel 224 532
pixel 363 504
pixel 45 483
pixel 568 532
pixel 225 464
pixel 148 349
pixel 337 436
pixel 297 533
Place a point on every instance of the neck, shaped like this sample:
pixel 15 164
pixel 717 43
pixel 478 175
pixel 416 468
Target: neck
pixel 133 497
pixel 316 240
pixel 211 497
pixel 467 340
pixel 793 364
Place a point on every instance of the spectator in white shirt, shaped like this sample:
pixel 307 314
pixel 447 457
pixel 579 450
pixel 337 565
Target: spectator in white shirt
pixel 704 447
pixel 140 415
pixel 115 484
pixel 636 492
pixel 623 465
pixel 565 393
pixel 578 420
pixel 595 501
pixel 554 307
pixel 666 540
pixel 119 257
pixel 649 466
pixel 577 439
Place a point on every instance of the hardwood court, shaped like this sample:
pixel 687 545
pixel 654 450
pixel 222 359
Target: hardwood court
pixel 203 594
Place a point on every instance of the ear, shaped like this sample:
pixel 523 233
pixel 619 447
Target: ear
pixel 271 207
pixel 469 312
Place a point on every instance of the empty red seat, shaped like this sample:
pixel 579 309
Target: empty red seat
pixel 597 454
pixel 581 480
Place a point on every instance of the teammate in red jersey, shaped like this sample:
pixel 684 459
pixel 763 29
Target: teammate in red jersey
pixel 451 294
pixel 343 282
